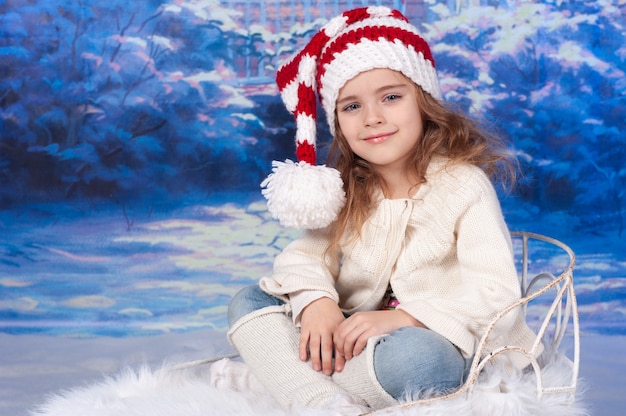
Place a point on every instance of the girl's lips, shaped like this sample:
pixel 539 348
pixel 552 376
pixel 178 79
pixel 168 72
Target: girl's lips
pixel 378 138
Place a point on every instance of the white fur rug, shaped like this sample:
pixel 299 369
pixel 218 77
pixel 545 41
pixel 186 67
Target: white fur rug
pixel 227 387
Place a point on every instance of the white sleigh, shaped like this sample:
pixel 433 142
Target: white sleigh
pixel 549 304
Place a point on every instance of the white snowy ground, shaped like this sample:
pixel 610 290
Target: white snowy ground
pixel 34 366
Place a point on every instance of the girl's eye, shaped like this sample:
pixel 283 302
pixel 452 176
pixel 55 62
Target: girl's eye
pixel 350 107
pixel 392 97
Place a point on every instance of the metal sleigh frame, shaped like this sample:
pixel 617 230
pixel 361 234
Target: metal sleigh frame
pixel 561 311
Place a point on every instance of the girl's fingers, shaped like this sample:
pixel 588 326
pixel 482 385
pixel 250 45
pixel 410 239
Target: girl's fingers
pixel 340 362
pixel 303 347
pixel 327 355
pixel 346 337
pixel 351 342
pixel 360 344
pixel 315 352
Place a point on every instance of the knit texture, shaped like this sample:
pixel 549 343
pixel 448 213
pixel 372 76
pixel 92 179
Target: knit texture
pixel 446 253
pixel 356 41
pixel 359 378
pixel 268 342
pixel 303 196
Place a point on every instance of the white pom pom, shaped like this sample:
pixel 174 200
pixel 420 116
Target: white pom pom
pixel 304 196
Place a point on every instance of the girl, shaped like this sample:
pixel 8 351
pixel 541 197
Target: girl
pixel 406 256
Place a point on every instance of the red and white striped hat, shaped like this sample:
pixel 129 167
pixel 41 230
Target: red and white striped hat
pixel 307 196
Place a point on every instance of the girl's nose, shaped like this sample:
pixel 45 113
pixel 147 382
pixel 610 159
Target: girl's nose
pixel 373 115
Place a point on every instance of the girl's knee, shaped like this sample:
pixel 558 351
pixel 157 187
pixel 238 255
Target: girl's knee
pixel 247 300
pixel 417 360
pixel 240 304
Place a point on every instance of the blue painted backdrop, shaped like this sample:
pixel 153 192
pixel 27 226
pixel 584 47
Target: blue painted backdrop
pixel 134 136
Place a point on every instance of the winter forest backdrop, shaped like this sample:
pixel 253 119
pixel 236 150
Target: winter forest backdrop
pixel 134 136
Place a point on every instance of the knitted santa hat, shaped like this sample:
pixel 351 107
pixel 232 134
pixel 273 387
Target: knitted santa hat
pixel 307 196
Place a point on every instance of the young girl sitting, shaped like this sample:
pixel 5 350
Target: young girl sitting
pixel 406 256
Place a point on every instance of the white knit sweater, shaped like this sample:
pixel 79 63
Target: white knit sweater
pixel 446 253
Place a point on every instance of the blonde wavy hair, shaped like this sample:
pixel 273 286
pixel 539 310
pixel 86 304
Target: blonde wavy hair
pixel 447 133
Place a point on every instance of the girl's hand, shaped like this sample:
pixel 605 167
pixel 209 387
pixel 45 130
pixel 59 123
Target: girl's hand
pixel 318 322
pixel 352 334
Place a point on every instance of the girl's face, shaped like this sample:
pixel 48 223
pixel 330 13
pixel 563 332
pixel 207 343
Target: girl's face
pixel 378 115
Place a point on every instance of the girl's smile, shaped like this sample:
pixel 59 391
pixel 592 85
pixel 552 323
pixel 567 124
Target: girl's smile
pixel 378 138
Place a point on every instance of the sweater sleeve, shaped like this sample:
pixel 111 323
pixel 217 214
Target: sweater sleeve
pixel 303 272
pixel 475 270
pixel 491 282
pixel 486 263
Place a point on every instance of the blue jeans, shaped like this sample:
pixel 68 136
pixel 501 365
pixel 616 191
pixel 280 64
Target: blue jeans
pixel 409 360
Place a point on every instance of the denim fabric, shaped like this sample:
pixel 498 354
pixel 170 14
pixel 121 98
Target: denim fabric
pixel 408 360
pixel 417 360
pixel 247 300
